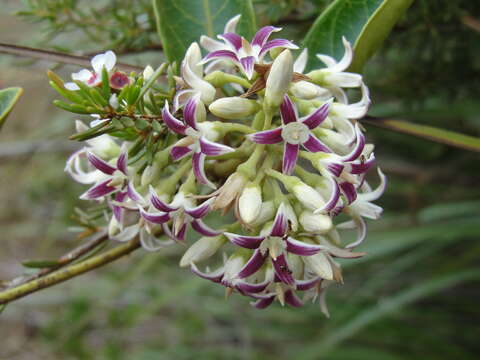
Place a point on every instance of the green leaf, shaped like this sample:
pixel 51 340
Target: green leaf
pixel 365 23
pixel 40 264
pixel 387 306
pixel 428 132
pixel 181 22
pixel 8 98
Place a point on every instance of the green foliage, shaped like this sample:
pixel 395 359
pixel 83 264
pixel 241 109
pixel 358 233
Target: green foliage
pixel 195 18
pixel 365 23
pixel 8 98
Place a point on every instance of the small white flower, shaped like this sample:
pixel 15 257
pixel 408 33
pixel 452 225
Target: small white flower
pixel 92 79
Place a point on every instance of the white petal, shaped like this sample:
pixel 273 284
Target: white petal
pixel 71 86
pixel 83 75
pixel 301 62
pixel 210 44
pixel 231 25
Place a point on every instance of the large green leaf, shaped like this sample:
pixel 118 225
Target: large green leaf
pixel 428 132
pixel 365 23
pixel 8 98
pixel 181 22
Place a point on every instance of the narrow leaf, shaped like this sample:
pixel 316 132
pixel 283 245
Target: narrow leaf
pixel 8 98
pixel 181 22
pixel 428 132
pixel 365 23
pixel 40 264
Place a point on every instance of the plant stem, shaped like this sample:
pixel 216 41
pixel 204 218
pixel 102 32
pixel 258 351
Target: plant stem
pixel 68 272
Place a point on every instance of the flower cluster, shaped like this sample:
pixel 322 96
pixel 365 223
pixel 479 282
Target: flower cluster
pixel 244 132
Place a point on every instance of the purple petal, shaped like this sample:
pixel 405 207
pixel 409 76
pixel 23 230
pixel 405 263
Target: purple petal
pixel 222 54
pixel 179 152
pixel 215 276
pixel 263 303
pixel 200 227
pixel 292 299
pixel 247 65
pixel 249 288
pixel 355 153
pixel 211 148
pixel 263 34
pixel 156 217
pixel 335 168
pixel 290 155
pixel 133 193
pixel 253 264
pixel 362 166
pixel 122 162
pixel 179 235
pixel 288 110
pixel 189 112
pixel 201 210
pixel 273 136
pixel 332 202
pixel 300 248
pixel 277 43
pixel 99 190
pixel 280 223
pixel 118 211
pixel 100 164
pixel 198 160
pixel 315 145
pixel 317 117
pixel 249 242
pixel 303 285
pixel 172 123
pixel 158 203
pixel 349 191
pixel 282 270
pixel 233 39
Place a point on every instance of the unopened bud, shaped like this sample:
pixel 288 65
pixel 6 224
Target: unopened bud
pixel 306 90
pixel 232 108
pixel 315 223
pixel 148 72
pixel 267 212
pixel 279 79
pixel 308 196
pixel 113 101
pixel 320 265
pixel 201 250
pixel 250 203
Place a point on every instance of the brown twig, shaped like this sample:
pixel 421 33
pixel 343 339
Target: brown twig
pixel 57 57
pixel 68 272
pixel 64 260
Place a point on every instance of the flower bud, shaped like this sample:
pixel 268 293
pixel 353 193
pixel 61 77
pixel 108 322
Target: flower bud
pixel 232 108
pixel 279 79
pixel 250 203
pixel 320 265
pixel 308 196
pixel 267 212
pixel 201 250
pixel 308 91
pixel 315 223
pixel 148 72
pixel 113 101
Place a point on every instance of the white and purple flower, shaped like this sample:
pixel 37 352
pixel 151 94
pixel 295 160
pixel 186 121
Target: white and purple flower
pixel 93 78
pixel 181 212
pixel 240 51
pixel 294 132
pixel 196 143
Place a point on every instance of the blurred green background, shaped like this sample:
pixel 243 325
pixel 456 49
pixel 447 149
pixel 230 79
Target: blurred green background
pixel 416 294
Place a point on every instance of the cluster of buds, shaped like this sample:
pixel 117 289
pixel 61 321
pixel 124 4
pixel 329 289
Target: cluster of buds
pixel 243 132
